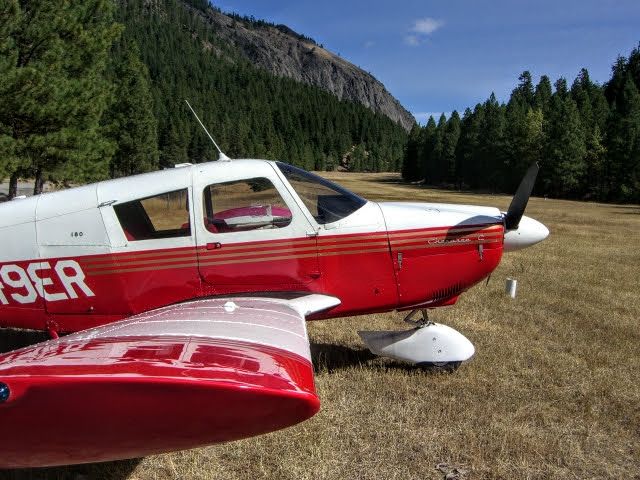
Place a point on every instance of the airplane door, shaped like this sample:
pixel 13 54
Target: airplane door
pixel 251 234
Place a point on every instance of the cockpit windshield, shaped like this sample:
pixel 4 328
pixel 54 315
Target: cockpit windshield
pixel 326 201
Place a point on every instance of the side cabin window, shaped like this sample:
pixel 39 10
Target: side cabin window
pixel 242 205
pixel 161 216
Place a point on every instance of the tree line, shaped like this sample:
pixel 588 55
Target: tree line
pixel 93 89
pixel 586 139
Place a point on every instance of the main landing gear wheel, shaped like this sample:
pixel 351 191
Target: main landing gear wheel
pixel 427 345
pixel 445 367
pixel 448 367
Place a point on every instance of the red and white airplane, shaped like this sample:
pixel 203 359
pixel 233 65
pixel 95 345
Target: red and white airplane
pixel 185 293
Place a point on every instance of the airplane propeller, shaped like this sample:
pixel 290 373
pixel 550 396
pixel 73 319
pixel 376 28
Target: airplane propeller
pixel 521 198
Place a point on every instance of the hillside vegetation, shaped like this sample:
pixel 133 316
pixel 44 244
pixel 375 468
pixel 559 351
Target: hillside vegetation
pixel 586 139
pixel 96 89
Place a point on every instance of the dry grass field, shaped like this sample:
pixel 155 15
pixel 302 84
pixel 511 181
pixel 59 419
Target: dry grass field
pixel 552 392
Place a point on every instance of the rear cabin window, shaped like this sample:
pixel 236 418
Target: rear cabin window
pixel 161 216
pixel 242 205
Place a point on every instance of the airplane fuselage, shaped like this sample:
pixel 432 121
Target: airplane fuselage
pixel 88 256
pixel 168 367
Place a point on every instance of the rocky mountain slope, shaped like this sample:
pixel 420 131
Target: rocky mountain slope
pixel 283 52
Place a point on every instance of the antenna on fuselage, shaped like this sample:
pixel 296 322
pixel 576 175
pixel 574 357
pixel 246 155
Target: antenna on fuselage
pixel 222 157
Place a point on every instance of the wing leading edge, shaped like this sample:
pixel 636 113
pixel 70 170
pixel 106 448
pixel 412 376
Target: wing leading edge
pixel 178 377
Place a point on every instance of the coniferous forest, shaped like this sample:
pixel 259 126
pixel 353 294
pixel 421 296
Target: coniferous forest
pixel 93 89
pixel 586 138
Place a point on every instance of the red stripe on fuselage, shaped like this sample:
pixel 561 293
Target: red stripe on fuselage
pixel 361 269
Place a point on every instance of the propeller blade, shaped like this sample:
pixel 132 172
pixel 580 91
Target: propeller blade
pixel 521 198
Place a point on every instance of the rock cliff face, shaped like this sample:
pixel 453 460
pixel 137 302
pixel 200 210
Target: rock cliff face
pixel 283 52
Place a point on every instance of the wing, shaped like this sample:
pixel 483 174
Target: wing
pixel 186 375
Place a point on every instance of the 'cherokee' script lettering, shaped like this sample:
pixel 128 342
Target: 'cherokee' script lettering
pixel 444 241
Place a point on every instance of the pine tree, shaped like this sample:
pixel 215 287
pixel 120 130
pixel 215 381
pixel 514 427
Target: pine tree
pixel 130 121
pixel 468 147
pixel 565 152
pixel 542 95
pixel 491 145
pixel 623 145
pixel 9 20
pixel 307 162
pixel 595 186
pixel 581 94
pixel 633 65
pixel 615 85
pixel 561 88
pixel 173 145
pixel 449 145
pixel 410 170
pixel 57 84
pixel 524 92
pixel 516 139
pixel 535 138
pixel 359 156
pixel 427 145
pixel 436 169
pixel 591 102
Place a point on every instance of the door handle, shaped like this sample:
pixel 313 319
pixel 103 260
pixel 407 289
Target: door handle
pixel 214 246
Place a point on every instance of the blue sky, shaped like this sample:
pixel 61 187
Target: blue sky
pixel 440 56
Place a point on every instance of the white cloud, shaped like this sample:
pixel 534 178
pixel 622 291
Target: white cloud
pixel 426 26
pixel 412 40
pixel 369 44
pixel 422 28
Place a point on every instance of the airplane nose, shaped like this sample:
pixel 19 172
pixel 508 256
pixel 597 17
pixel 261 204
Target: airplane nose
pixel 528 233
